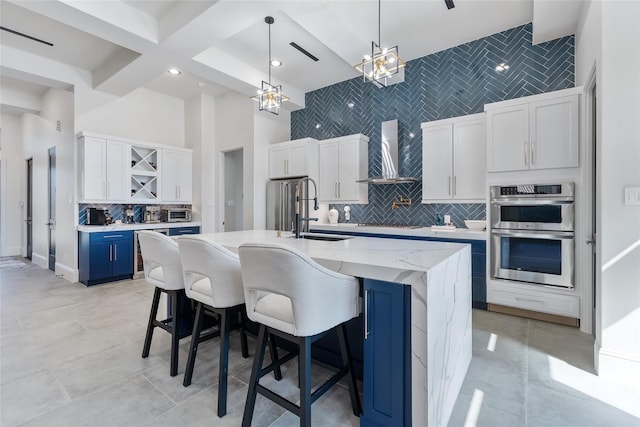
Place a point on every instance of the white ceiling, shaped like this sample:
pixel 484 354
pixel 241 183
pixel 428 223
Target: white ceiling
pixel 221 45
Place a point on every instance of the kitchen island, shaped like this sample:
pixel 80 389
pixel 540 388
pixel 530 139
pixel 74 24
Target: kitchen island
pixel 438 279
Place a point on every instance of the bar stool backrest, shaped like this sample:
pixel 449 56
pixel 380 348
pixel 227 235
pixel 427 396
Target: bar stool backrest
pixel 162 265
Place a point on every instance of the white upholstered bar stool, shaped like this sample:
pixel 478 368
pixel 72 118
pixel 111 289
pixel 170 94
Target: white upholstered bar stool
pixel 163 270
pixel 213 280
pixel 295 298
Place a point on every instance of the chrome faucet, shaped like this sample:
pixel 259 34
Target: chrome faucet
pixel 299 201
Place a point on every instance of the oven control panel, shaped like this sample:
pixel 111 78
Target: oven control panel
pixel 534 190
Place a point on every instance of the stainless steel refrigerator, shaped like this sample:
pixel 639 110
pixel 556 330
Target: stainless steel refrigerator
pixel 281 204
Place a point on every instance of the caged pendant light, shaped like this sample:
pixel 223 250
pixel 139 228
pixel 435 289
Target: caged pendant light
pixel 383 63
pixel 270 97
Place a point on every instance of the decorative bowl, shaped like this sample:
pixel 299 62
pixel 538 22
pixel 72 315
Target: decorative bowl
pixel 476 224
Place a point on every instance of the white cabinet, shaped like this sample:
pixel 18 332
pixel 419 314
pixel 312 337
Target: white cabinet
pixel 453 159
pixel 103 169
pixel 176 176
pixel 536 132
pixel 293 158
pixel 343 161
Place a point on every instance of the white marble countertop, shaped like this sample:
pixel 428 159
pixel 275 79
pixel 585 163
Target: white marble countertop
pixel 458 233
pixel 137 226
pixel 399 261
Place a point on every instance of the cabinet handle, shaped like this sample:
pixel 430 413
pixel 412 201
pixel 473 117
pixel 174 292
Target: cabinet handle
pixel 110 253
pixel 176 191
pixel 286 167
pixel 366 314
pixel 338 189
pixel 112 236
pixel 335 190
pixel 524 146
pixel 108 190
pixel 533 152
pixel 529 300
pixel 115 252
pixel 449 184
pixel 179 192
pixel 454 185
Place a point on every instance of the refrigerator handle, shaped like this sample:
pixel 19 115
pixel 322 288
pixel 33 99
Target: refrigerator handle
pixel 284 197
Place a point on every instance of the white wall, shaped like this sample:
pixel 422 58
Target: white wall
pixel 609 36
pixel 234 130
pixel 268 129
pixel 12 186
pixel 142 114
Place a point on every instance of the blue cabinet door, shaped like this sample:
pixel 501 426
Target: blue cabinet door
pixel 99 261
pixel 122 263
pixel 387 366
pixel 179 231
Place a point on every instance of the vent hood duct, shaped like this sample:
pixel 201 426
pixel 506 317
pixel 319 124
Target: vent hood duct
pixel 389 148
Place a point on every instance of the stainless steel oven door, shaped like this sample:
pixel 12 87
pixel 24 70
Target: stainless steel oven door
pixel 545 214
pixel 545 258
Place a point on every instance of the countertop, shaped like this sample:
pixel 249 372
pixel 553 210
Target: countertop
pixel 137 226
pixel 458 233
pixel 399 261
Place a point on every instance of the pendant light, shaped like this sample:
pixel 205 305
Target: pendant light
pixel 270 97
pixel 382 64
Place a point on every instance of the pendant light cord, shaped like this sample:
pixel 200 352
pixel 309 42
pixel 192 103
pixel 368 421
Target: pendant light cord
pixel 269 54
pixel 379 20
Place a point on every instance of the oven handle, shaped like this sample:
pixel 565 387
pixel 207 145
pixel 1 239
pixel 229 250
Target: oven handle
pixel 519 202
pixel 535 235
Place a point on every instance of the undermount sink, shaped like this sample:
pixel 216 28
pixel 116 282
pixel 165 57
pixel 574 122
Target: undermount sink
pixel 324 238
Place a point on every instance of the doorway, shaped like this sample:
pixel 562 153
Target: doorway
pixel 29 219
pixel 233 195
pixel 51 223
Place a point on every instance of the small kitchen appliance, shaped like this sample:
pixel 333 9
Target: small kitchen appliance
pixel 175 215
pixel 97 216
pixel 129 215
pixel 152 214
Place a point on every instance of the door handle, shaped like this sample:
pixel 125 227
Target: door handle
pixel 366 314
pixel 110 253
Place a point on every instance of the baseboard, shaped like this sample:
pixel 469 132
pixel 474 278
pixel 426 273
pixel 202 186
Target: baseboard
pixel 618 366
pixel 553 318
pixel 40 260
pixel 67 273
pixel 12 251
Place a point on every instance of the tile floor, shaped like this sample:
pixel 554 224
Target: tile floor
pixel 70 356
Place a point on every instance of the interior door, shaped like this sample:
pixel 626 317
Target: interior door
pixel 29 219
pixel 52 209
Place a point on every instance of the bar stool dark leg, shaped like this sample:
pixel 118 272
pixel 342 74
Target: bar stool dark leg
pixel 193 348
pixel 255 372
pixel 346 359
pixel 224 362
pixel 273 350
pixel 152 317
pixel 175 333
pixel 243 332
pixel 304 375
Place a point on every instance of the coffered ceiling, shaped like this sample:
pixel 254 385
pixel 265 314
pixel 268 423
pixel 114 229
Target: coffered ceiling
pixel 221 45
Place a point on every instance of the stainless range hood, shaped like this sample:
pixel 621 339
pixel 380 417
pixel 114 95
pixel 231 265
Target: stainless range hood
pixel 389 148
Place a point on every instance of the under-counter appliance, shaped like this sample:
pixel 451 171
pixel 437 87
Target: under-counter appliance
pixel 176 215
pixel 97 216
pixel 532 236
pixel 281 204
pixel 138 262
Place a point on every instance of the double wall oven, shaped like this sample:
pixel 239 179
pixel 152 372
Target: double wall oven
pixel 532 235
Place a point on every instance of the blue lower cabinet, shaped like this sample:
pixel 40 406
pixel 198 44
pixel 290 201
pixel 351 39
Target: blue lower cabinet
pixel 179 231
pixel 105 257
pixel 387 355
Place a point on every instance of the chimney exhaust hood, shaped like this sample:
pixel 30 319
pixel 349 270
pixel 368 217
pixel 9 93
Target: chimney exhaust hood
pixel 389 148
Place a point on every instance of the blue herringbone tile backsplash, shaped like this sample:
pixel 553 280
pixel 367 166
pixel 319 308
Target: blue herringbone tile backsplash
pixel 451 83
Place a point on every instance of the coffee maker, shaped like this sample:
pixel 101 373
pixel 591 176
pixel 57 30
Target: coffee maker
pixel 129 215
pixel 152 214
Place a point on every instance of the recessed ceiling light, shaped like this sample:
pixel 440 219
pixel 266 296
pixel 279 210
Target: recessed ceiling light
pixel 275 63
pixel 502 67
pixel 174 71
